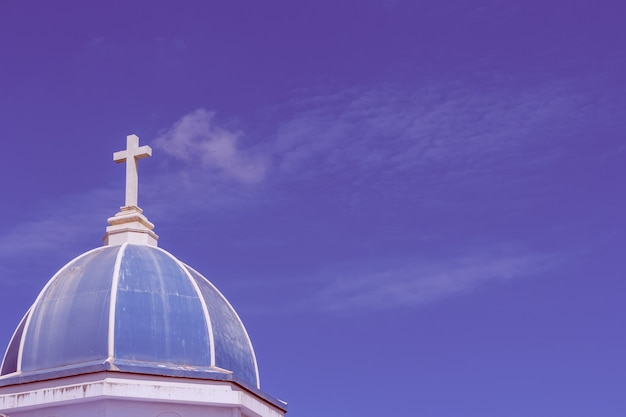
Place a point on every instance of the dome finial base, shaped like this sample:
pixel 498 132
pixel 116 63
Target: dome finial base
pixel 130 226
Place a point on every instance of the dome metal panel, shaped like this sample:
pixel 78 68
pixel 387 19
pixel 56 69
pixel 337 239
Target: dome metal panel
pixel 152 285
pixel 233 350
pixel 69 321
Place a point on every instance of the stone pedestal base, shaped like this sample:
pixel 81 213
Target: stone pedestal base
pixel 130 226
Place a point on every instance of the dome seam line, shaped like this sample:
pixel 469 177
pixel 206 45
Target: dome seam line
pixel 113 302
pixel 256 365
pixel 205 309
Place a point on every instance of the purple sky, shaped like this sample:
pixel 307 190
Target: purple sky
pixel 417 207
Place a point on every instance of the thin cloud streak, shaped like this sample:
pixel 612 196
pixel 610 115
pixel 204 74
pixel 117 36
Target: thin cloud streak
pixel 59 222
pixel 77 222
pixel 68 225
pixel 74 223
pixel 416 284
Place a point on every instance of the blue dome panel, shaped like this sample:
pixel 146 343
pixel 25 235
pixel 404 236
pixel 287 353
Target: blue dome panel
pixel 159 317
pixel 69 322
pixel 233 350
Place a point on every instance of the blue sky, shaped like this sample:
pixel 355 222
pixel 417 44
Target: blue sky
pixel 416 207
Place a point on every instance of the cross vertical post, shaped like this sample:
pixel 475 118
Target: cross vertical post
pixel 130 155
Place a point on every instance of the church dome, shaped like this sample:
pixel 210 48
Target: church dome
pixel 131 307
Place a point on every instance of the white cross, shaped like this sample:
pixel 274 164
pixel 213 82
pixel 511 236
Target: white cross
pixel 132 153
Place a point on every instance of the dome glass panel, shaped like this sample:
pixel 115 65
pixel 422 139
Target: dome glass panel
pixel 159 316
pixel 233 350
pixel 69 322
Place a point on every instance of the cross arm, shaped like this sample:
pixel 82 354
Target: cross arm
pixel 138 153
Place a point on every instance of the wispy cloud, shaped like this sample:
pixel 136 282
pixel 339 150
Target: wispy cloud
pixel 416 283
pixel 435 131
pixel 196 138
pixel 443 127
pixel 66 226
